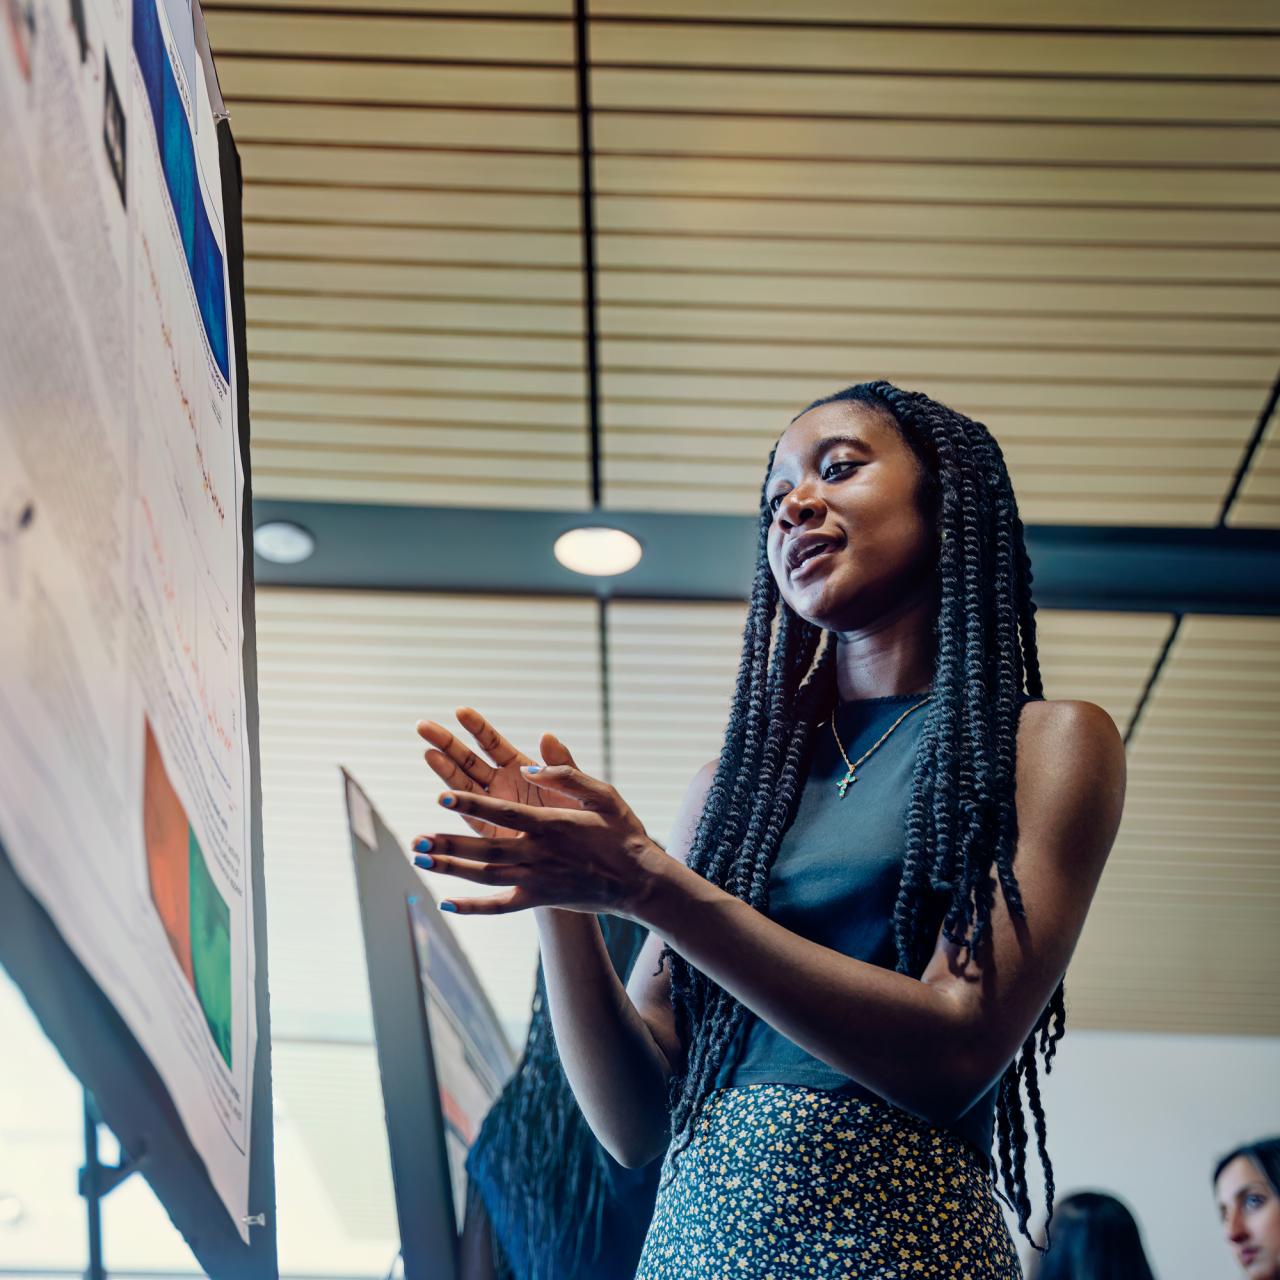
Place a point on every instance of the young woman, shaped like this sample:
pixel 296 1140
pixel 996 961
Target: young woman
pixel 1246 1184
pixel 1095 1237
pixel 860 926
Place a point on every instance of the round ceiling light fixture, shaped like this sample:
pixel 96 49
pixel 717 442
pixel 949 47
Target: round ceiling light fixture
pixel 283 542
pixel 598 551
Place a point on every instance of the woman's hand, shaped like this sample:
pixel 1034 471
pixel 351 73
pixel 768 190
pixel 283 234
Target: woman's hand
pixel 460 769
pixel 555 835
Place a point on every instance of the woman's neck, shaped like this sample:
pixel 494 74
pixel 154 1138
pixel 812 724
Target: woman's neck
pixel 894 655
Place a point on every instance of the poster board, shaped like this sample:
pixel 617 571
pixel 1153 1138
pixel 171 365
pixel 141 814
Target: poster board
pixel 442 1055
pixel 131 896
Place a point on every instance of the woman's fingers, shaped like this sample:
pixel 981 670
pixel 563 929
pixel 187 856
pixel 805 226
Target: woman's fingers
pixel 498 905
pixel 508 873
pixel 554 751
pixel 453 777
pixel 494 745
pixel 589 792
pixel 479 771
pixel 474 848
pixel 457 781
pixel 504 813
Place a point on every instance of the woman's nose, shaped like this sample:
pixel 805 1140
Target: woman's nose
pixel 1233 1225
pixel 799 506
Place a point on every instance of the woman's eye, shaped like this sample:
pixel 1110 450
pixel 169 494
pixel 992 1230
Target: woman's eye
pixel 847 462
pixel 775 500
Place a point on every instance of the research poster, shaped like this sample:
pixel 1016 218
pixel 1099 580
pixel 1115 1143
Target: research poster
pixel 472 1057
pixel 125 780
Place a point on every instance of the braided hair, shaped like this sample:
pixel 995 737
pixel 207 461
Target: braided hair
pixel 544 1171
pixel 961 823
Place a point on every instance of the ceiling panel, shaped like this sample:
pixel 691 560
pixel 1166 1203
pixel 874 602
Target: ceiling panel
pixel 1183 934
pixel 343 679
pixel 1012 220
pixel 671 674
pixel 411 177
pixel 917 177
pixel 959 140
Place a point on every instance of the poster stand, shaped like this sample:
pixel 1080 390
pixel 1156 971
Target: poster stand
pixel 387 887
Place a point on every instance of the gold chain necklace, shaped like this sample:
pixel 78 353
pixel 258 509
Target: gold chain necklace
pixel 852 775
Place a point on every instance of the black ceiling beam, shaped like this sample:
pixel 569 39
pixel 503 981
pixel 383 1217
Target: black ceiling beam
pixel 711 557
pixel 586 187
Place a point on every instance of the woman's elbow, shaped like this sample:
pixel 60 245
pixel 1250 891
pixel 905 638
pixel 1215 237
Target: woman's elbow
pixel 635 1155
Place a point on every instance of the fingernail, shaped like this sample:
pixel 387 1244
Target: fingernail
pixel 532 768
pixel 425 861
pixel 447 801
pixel 448 906
pixel 423 845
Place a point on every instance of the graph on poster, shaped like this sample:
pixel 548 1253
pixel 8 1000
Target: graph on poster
pixel 124 803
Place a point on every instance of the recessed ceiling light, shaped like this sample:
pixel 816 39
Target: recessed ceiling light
pixel 598 551
pixel 283 542
pixel 12 1210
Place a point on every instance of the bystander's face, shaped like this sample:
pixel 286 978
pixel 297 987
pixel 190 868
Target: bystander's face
pixel 1250 1213
pixel 848 545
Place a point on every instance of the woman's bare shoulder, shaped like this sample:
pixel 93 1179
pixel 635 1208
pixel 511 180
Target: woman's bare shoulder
pixel 1070 775
pixel 1067 723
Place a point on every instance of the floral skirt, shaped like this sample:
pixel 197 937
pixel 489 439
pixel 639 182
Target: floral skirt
pixel 782 1181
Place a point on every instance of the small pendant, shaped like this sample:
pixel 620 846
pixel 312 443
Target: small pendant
pixel 843 785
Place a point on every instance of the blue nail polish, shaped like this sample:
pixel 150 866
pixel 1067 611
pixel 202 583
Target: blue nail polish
pixel 448 906
pixel 424 861
pixel 423 845
pixel 533 768
pixel 447 801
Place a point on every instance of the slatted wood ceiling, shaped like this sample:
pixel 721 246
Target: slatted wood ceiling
pixel 1183 936
pixel 343 679
pixel 1059 218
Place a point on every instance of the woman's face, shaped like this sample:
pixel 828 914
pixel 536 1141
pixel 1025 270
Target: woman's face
pixel 1250 1213
pixel 848 544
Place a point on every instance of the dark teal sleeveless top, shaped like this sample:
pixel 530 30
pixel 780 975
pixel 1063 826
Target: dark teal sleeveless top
pixel 835 881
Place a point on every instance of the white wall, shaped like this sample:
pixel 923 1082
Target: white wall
pixel 1146 1116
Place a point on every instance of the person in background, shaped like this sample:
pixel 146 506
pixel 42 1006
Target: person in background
pixel 1246 1184
pixel 545 1201
pixel 1095 1237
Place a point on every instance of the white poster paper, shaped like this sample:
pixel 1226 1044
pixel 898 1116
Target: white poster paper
pixel 125 779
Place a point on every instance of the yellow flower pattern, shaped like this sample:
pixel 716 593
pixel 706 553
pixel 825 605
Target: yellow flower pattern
pixel 782 1181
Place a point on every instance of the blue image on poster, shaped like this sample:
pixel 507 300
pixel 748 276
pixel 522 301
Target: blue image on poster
pixel 178 160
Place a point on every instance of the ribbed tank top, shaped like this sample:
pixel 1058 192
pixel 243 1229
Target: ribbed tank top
pixel 835 881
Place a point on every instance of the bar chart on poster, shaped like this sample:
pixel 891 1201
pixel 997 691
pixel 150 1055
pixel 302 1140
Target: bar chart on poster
pixel 125 720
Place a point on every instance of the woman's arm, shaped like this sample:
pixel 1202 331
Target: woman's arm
pixel 617 1045
pixel 931 1045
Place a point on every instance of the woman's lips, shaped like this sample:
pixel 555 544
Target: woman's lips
pixel 819 557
